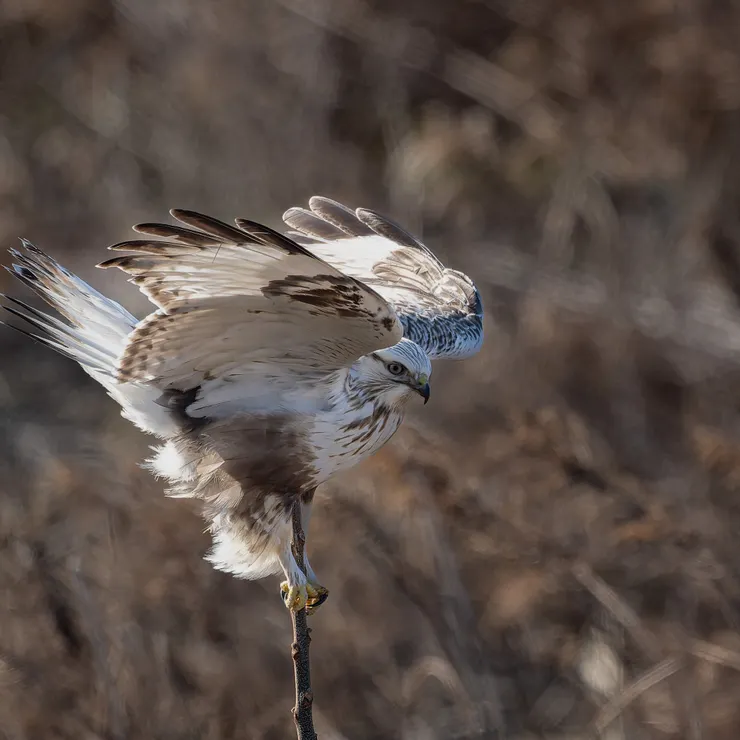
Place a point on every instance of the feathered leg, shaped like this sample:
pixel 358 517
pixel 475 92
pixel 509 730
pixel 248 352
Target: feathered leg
pixel 317 594
pixel 294 589
pixel 301 587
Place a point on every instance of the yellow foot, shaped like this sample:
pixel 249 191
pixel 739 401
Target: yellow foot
pixel 294 597
pixel 317 595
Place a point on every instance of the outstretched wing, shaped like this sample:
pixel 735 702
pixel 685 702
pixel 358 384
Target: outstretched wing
pixel 440 309
pixel 246 315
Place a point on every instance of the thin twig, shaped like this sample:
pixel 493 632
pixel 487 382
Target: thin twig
pixel 302 711
pixel 624 698
pixel 619 609
pixel 715 654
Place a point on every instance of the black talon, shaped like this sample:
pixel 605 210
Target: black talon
pixel 321 599
pixel 310 608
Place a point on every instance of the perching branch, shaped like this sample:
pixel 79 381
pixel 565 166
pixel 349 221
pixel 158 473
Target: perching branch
pixel 302 711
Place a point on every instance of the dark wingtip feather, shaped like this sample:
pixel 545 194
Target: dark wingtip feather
pixel 179 234
pixel 151 227
pixel 121 262
pixel 265 235
pixel 130 245
pixel 146 246
pixel 208 224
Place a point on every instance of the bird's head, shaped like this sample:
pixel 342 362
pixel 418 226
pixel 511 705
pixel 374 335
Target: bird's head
pixel 398 372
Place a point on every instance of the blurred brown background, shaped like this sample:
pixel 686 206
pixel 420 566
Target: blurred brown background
pixel 551 548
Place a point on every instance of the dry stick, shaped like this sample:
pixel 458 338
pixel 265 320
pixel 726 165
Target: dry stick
pixel 624 698
pixel 643 637
pixel 302 711
pixel 619 609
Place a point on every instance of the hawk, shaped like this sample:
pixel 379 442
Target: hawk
pixel 271 361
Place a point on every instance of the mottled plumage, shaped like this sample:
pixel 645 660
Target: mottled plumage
pixel 440 309
pixel 270 362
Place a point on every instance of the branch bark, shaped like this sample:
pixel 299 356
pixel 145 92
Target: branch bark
pixel 303 709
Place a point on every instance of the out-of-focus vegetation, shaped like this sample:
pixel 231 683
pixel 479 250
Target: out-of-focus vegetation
pixel 550 549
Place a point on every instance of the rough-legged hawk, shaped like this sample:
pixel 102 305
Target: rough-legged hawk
pixel 270 363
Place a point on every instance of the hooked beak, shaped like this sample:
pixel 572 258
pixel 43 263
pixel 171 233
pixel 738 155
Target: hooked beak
pixel 424 392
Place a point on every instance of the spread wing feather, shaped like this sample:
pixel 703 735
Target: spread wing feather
pixel 439 308
pixel 244 313
pixel 92 330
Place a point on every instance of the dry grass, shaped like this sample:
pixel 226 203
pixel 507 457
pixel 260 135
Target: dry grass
pixel 550 549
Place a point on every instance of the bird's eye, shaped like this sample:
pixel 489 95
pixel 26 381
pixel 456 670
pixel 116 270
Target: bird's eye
pixel 395 368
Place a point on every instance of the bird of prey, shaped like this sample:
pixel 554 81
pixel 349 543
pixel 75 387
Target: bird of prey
pixel 271 361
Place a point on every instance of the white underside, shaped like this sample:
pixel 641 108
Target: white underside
pixel 235 549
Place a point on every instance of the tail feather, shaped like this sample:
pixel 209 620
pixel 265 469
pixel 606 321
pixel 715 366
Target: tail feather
pixel 94 331
pixel 62 337
pixel 78 302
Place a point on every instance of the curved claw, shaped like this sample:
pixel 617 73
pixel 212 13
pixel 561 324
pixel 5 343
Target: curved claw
pixel 317 595
pixel 294 597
